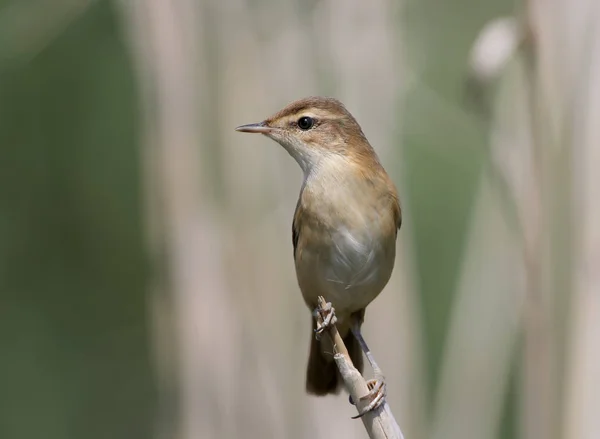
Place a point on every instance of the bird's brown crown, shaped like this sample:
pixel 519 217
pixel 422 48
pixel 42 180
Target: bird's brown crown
pixel 329 108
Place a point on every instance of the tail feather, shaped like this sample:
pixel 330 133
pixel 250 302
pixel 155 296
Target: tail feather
pixel 322 375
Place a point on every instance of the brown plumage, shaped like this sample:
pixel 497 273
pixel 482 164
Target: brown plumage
pixel 345 224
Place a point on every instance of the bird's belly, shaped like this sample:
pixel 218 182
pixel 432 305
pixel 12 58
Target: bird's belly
pixel 349 271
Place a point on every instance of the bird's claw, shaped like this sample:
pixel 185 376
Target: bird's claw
pixel 328 318
pixel 376 396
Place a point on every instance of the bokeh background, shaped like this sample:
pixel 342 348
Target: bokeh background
pixel 147 287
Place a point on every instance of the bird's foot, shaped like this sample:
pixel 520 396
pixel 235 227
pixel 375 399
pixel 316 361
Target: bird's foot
pixel 375 397
pixel 328 318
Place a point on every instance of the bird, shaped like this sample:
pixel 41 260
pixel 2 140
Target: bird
pixel 345 225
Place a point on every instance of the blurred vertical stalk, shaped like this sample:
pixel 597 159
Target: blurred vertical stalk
pixel 540 380
pixel 184 234
pixel 559 72
pixel 582 356
pixel 209 117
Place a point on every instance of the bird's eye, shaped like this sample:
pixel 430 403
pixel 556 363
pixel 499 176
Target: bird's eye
pixel 305 123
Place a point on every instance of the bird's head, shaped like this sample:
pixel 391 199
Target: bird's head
pixel 315 129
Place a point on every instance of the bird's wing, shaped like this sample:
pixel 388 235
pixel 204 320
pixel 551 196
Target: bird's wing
pixel 397 212
pixel 296 228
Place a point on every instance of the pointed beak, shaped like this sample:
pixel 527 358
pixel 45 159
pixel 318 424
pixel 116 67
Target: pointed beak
pixel 260 127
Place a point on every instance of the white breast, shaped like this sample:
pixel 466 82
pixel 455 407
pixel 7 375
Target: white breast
pixel 354 259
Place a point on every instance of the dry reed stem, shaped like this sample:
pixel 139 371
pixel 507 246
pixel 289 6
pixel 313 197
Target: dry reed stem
pixel 380 422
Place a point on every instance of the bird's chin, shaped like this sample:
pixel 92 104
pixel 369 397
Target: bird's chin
pixel 287 142
pixel 277 135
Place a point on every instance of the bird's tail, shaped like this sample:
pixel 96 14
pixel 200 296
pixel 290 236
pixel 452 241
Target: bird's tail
pixel 322 375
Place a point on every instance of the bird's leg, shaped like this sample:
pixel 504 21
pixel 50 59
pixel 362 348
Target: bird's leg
pixel 377 390
pixel 328 317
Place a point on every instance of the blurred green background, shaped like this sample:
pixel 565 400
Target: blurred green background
pixel 146 281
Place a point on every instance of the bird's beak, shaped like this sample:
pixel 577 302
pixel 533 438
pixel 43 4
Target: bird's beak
pixel 260 127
